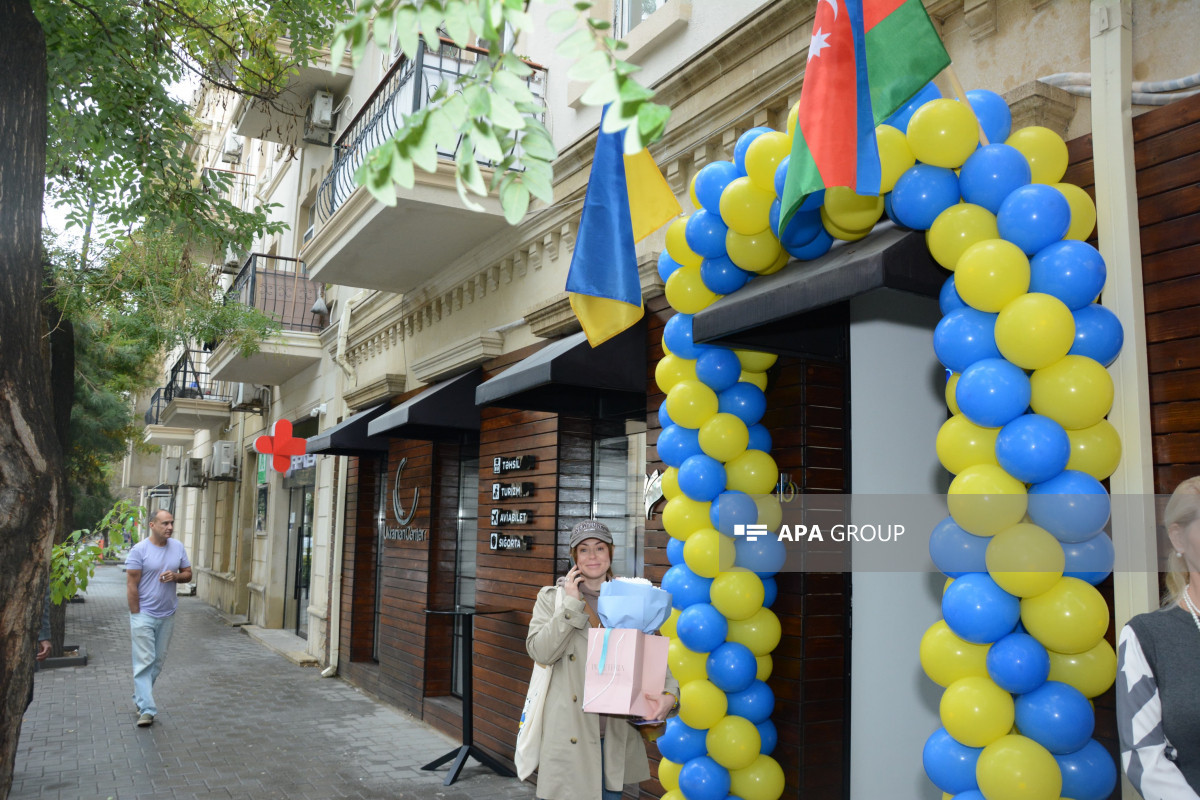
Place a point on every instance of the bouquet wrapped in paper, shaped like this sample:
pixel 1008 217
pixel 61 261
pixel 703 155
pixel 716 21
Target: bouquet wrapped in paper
pixel 625 661
pixel 633 603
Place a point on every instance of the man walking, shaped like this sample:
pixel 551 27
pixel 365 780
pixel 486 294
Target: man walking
pixel 152 569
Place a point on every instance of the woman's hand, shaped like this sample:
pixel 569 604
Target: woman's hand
pixel 571 584
pixel 661 705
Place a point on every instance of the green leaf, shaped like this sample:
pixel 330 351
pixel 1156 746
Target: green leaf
pixel 424 151
pixel 576 45
pixel 385 23
pixel 402 171
pixel 539 179
pixel 538 146
pixel 601 92
pixel 458 22
pixel 562 20
pixel 505 115
pixel 407 29
pixel 598 24
pixel 633 92
pixel 479 102
pixel 514 199
pixel 652 121
pixel 455 112
pixel 487 146
pixel 589 68
pixel 510 64
pixel 430 17
pixel 511 87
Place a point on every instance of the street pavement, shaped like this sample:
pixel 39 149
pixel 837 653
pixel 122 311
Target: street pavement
pixel 236 720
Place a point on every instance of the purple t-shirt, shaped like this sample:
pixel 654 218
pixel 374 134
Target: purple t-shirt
pixel 157 599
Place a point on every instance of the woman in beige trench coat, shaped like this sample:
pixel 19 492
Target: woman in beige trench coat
pixel 570 765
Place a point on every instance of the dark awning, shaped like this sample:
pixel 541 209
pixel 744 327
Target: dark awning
pixel 801 310
pixel 570 376
pixel 349 437
pixel 444 411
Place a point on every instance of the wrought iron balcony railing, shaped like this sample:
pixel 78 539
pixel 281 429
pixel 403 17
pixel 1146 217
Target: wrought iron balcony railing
pixel 279 287
pixel 188 378
pixel 406 88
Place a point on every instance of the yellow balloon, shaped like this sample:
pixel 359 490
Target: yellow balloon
pixel 745 207
pixel 763 156
pixel 683 516
pixel 956 229
pixel 760 631
pixel 793 118
pixel 951 387
pixel 1095 450
pixel 701 704
pixel 737 593
pixel 1092 672
pixel 838 232
pixel 961 443
pixel 762 780
pixel 1045 151
pixel 780 262
pixel 991 274
pixel 668 776
pixel 1016 768
pixel 686 665
pixel 724 437
pixel 756 253
pixel 770 511
pixel 759 379
pixel 850 211
pixel 686 291
pixel 668 628
pixel 1083 211
pixel 1068 618
pixel 1034 330
pixel 984 500
pixel 673 795
pixel 895 156
pixel 1076 392
pixel 1025 560
pixel 753 472
pixel 707 552
pixel 946 658
pixel 670 483
pixel 975 711
pixel 755 361
pixel 943 133
pixel 765 665
pixel 692 191
pixel 672 369
pixel 677 246
pixel 691 403
pixel 733 742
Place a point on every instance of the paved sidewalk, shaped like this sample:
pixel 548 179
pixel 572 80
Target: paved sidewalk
pixel 236 721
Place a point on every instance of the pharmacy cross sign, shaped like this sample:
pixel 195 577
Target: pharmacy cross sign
pixel 281 445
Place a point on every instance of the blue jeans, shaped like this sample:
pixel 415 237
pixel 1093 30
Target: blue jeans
pixel 151 636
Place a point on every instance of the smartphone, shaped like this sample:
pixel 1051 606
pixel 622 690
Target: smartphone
pixel 564 566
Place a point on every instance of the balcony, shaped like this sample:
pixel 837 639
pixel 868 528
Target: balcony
pixel 191 400
pixel 280 288
pixel 365 244
pixel 281 120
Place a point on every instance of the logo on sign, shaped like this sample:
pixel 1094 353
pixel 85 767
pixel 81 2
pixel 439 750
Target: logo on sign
pixel 750 532
pixel 505 516
pixel 403 517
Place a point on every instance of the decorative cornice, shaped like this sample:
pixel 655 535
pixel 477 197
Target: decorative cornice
pixel 1036 103
pixel 459 357
pixel 374 392
pixel 651 282
pixel 552 318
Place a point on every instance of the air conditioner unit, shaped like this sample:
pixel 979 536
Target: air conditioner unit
pixel 224 461
pixel 318 121
pixel 249 397
pixel 191 472
pixel 231 152
pixel 168 471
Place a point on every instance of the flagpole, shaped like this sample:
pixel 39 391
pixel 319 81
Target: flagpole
pixel 957 86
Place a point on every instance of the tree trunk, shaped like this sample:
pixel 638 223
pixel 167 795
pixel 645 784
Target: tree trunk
pixel 62 389
pixel 31 470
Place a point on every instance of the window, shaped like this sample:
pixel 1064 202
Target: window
pixel 630 13
pixel 618 481
pixel 308 213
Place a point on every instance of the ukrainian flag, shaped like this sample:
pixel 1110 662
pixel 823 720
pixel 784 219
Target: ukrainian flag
pixel 627 199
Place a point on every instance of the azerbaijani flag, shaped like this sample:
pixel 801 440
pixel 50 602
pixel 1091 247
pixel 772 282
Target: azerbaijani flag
pixel 627 199
pixel 865 60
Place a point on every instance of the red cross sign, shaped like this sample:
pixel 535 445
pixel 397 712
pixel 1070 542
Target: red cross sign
pixel 281 444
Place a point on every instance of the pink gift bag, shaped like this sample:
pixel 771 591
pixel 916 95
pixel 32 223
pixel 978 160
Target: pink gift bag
pixel 622 665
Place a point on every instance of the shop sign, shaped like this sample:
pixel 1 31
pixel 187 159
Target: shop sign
pixel 403 532
pixel 511 516
pixel 508 491
pixel 505 464
pixel 501 541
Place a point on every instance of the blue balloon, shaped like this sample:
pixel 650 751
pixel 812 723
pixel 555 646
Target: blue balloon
pixel 950 765
pixel 702 478
pixel 903 115
pixel 956 552
pixel 676 444
pixel 1088 774
pixel 701 628
pixel 1033 448
pixel 718 368
pixel 704 779
pixel 781 176
pixel 1018 663
pixel 1090 560
pixel 770 591
pixel 674 550
pixel 1057 716
pixel 731 667
pixel 722 276
pixel 664 418
pixel 744 400
pixel 1098 334
pixel 923 192
pixel 677 334
pixel 765 556
pixel 711 181
pixel 768 736
pixel 818 247
pixel 991 174
pixel 731 509
pixel 978 610
pixel 686 587
pixel 760 438
pixel 705 234
pixel 813 202
pixel 743 144
pixel 948 299
pixel 666 265
pixel 1071 270
pixel 801 230
pixel 991 392
pixel 891 212
pixel 1033 217
pixel 755 703
pixel 681 743
pixel 992 113
pixel 1073 506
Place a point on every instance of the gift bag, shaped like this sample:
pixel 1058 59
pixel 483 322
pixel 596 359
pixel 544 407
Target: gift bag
pixel 529 728
pixel 623 664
